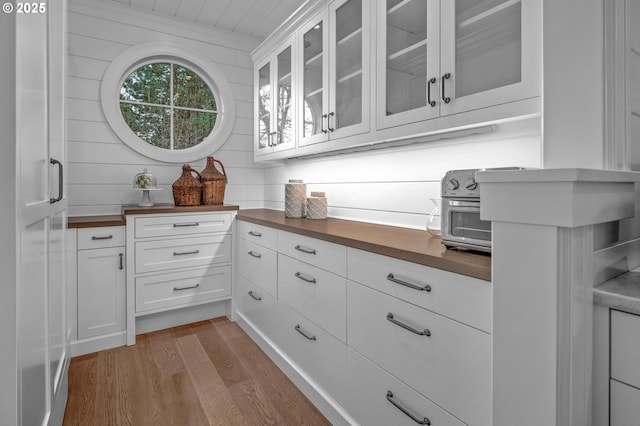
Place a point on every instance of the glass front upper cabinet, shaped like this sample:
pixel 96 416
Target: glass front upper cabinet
pixel 335 75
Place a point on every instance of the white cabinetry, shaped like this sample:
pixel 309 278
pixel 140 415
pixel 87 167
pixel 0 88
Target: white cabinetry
pixel 177 261
pixel 625 377
pixel 379 339
pixel 101 281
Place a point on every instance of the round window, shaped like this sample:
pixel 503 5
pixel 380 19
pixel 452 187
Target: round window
pixel 167 103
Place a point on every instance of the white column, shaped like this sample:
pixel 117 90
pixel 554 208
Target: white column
pixel 542 287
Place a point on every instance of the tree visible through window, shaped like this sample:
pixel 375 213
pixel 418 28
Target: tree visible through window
pixel 168 106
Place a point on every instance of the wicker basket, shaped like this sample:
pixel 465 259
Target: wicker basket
pixel 214 183
pixel 187 190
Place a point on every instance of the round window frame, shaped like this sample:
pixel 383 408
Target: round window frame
pixel 144 54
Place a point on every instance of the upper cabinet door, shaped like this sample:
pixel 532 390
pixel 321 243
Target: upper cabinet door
pixel 408 48
pixel 490 53
pixel 264 108
pixel 350 68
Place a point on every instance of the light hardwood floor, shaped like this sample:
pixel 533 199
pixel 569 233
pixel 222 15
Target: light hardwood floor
pixel 207 373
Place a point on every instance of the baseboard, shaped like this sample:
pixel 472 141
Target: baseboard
pixel 183 316
pixel 316 394
pixel 99 343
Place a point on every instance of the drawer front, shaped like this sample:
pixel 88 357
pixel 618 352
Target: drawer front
pixel 444 360
pixel 182 224
pixel 370 403
pixel 163 255
pixel 462 298
pixel 258 307
pixel 259 265
pixel 182 288
pixel 318 353
pixel 258 234
pixel 625 347
pixel 102 237
pixel 323 254
pixel 625 404
pixel 318 294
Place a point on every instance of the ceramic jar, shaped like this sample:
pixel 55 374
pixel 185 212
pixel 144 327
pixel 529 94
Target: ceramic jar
pixel 295 195
pixel 317 206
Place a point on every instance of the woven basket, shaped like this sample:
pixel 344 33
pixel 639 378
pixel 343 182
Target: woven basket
pixel 187 190
pixel 214 183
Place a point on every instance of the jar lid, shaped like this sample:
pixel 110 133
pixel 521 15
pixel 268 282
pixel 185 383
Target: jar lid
pixel 295 180
pixel 317 194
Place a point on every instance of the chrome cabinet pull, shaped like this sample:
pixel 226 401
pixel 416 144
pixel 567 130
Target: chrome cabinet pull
pixel 254 254
pixel 304 333
pixel 60 180
pixel 424 332
pixel 305 249
pixel 304 278
pixel 324 116
pixel 182 225
pixel 185 253
pixel 121 261
pixel 445 98
pixel 108 237
pixel 186 288
pixel 254 296
pixel 392 278
pixel 331 114
pixel 429 83
pixel 255 234
pixel 420 421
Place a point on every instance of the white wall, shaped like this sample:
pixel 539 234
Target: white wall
pixel 394 186
pixel 101 167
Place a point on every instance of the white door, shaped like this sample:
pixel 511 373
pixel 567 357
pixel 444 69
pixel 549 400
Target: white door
pixel 41 335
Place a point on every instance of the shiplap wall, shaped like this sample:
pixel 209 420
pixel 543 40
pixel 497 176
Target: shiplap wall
pixel 394 186
pixel 100 167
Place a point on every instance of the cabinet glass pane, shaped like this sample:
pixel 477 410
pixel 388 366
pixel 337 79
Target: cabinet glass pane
pixel 348 64
pixel 488 45
pixel 285 99
pixel 312 81
pixel 264 106
pixel 406 52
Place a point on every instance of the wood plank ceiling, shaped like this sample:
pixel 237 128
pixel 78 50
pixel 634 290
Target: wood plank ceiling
pixel 256 18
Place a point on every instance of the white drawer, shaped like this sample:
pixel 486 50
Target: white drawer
pixel 318 294
pixel 182 288
pixel 258 234
pixel 369 402
pixel 323 254
pixel 450 363
pixel 258 307
pixel 162 255
pixel 181 224
pixel 101 237
pixel 318 353
pixel 465 299
pixel 625 347
pixel 625 404
pixel 259 265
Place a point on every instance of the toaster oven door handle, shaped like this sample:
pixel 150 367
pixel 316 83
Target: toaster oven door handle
pixel 456 203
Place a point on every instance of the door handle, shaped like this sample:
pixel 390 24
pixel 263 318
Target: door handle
pixel 445 98
pixel 429 83
pixel 55 162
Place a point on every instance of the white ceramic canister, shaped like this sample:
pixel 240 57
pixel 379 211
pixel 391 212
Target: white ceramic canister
pixel 295 196
pixel 317 206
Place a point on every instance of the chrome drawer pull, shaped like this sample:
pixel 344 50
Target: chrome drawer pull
pixel 305 250
pixel 186 288
pixel 108 237
pixel 391 278
pixel 304 278
pixel 423 421
pixel 254 296
pixel 424 332
pixel 256 255
pixel 182 225
pixel 185 252
pixel 255 234
pixel 305 334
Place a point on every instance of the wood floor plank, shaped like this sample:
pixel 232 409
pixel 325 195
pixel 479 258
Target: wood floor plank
pixel 222 357
pixel 82 399
pixel 254 404
pixel 214 396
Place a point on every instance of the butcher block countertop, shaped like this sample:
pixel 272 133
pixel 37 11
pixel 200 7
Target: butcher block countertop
pixel 401 243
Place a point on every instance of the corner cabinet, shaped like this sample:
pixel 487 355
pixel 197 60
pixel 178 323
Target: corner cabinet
pixel 441 58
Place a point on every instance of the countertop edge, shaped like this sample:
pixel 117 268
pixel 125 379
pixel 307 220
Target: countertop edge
pixel 621 292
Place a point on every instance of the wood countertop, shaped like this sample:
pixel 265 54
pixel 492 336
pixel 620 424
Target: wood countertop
pixel 402 243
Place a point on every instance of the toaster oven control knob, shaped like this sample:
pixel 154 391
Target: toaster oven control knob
pixel 471 184
pixel 453 184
